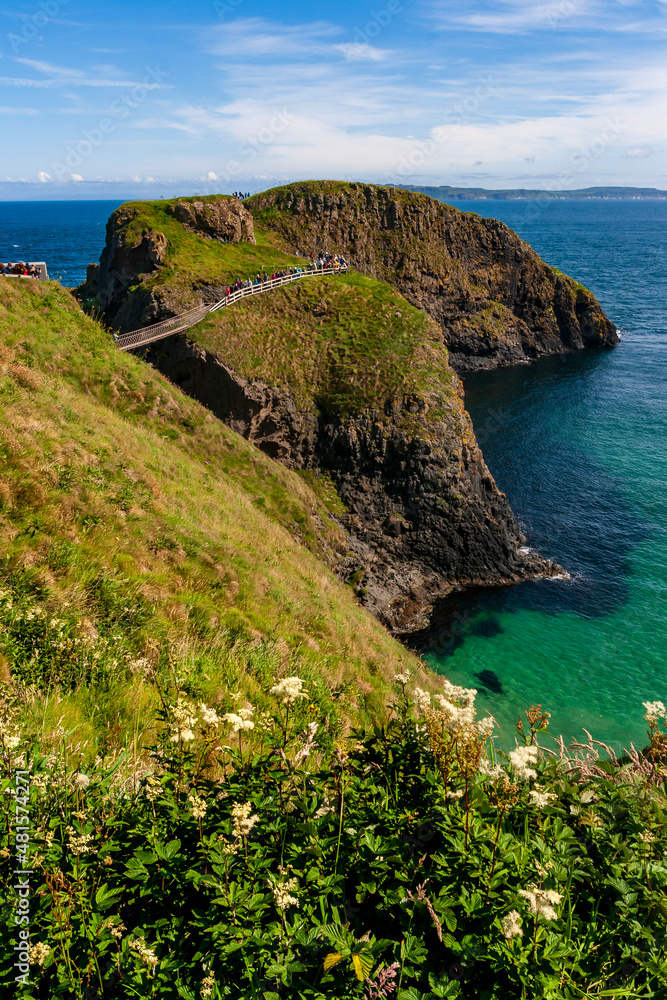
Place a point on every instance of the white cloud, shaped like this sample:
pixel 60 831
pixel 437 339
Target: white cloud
pixel 638 152
pixel 57 71
pixel 18 111
pixel 76 177
pixel 258 38
pixel 43 177
pixel 360 52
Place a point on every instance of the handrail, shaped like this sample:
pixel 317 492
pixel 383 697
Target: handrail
pixel 182 322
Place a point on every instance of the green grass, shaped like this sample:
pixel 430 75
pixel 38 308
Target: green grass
pixel 141 536
pixel 341 345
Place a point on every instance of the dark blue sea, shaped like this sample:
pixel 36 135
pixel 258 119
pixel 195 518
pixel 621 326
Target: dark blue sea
pixel 68 235
pixel 578 443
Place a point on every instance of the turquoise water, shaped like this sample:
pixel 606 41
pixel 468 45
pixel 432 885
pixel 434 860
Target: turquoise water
pixel 579 444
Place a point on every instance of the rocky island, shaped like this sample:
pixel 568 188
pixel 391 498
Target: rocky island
pixel 353 380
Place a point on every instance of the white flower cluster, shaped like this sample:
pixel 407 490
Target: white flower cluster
pixel 491 772
pixel 145 954
pixel 289 690
pixel 243 821
pixel 541 901
pixel 521 760
pixel 241 720
pixel 184 719
pixel 403 678
pixel 207 984
pixel 511 925
pixel 81 781
pixel 655 711
pixel 540 798
pixel 282 893
pixel 422 699
pixel 38 953
pixel 79 844
pixel 152 787
pixel 209 716
pixel 9 735
pixel 198 806
pixel 457 709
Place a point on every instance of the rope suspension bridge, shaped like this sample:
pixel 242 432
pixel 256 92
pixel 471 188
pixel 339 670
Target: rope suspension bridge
pixel 181 323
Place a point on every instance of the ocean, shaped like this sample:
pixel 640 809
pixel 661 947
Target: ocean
pixel 578 444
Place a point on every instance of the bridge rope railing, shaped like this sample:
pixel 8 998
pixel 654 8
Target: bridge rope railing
pixel 178 324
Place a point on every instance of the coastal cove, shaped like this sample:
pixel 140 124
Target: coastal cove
pixel 574 441
pixel 577 443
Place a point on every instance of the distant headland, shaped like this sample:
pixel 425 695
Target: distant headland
pixel 445 192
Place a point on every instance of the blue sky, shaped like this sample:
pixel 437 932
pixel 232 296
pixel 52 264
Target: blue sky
pixel 124 99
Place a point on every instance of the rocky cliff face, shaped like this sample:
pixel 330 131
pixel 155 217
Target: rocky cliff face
pixel 225 220
pixel 497 301
pixel 424 513
pixel 134 252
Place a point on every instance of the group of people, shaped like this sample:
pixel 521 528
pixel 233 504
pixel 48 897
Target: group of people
pixel 321 262
pixel 21 268
pixel 241 196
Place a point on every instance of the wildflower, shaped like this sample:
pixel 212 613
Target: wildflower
pixel 38 953
pixel 115 929
pixel 237 722
pixel 81 781
pixel 458 794
pixel 541 799
pixel 646 837
pixel 209 715
pixel 152 787
pixel 306 749
pixel 145 954
pixel 243 821
pixel 198 806
pixel 185 718
pixel 384 983
pixel 227 848
pixel 422 699
pixel 79 844
pixel 491 772
pixel 520 760
pixel 281 893
pixel 655 710
pixel 511 925
pixel 403 678
pixel 486 726
pixel 207 984
pixel 541 901
pixel 289 690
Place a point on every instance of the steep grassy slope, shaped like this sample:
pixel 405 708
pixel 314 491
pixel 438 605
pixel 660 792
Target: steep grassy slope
pixel 496 300
pixel 142 538
pixel 338 374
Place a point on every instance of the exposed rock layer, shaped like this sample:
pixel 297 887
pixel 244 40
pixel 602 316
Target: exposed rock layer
pixel 226 220
pixel 133 253
pixel 425 513
pixel 497 301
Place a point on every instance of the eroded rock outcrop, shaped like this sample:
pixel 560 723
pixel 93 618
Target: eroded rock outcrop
pixel 225 219
pixel 424 513
pixel 497 301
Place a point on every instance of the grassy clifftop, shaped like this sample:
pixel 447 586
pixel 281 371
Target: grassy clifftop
pixel 142 537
